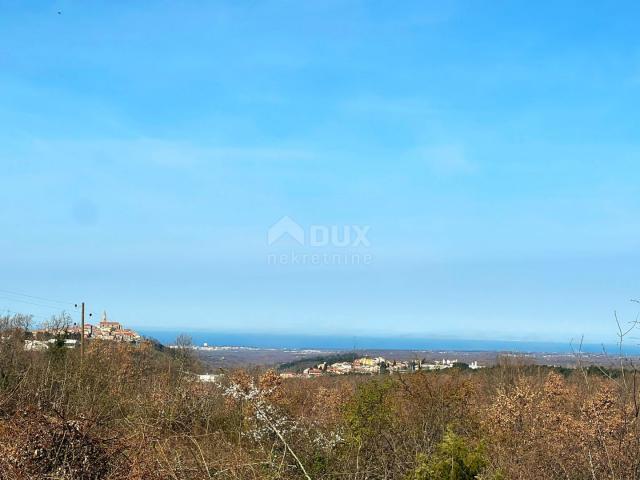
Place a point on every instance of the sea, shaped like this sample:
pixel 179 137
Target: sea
pixel 344 342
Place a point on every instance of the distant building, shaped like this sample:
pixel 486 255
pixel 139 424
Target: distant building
pixel 71 343
pixel 108 330
pixel 369 365
pixel 106 325
pixel 340 368
pixel 35 345
pixel 401 366
pixel 88 330
pixel 210 377
pixel 364 362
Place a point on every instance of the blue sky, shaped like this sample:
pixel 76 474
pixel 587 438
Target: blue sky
pixel 491 148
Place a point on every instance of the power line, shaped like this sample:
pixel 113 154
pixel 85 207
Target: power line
pixel 12 312
pixel 9 311
pixel 52 307
pixel 38 298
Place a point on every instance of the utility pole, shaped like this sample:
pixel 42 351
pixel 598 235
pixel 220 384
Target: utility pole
pixel 82 333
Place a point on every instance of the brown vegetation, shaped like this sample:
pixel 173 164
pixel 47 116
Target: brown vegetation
pixel 135 412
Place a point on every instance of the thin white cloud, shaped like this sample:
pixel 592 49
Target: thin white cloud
pixel 446 160
pixel 164 153
pixel 376 104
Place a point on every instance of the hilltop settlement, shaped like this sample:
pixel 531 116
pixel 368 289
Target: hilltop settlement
pixel 70 334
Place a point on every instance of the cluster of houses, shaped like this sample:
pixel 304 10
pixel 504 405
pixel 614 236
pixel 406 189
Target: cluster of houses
pixel 377 365
pixel 105 330
pixel 108 330
pixel 40 345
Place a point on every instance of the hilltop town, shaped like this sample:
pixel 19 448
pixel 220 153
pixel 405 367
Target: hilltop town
pixel 106 329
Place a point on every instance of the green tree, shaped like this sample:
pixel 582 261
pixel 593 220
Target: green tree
pixel 452 460
pixel 368 413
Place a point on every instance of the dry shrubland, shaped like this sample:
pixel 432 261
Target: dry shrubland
pixel 136 412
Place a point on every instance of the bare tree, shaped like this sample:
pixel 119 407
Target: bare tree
pixel 11 325
pixel 184 341
pixel 58 325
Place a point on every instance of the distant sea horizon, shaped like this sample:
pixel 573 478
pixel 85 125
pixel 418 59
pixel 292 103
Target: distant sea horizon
pixel 351 342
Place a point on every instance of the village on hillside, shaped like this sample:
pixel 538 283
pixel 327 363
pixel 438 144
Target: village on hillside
pixel 106 329
pixel 377 365
pixel 307 363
